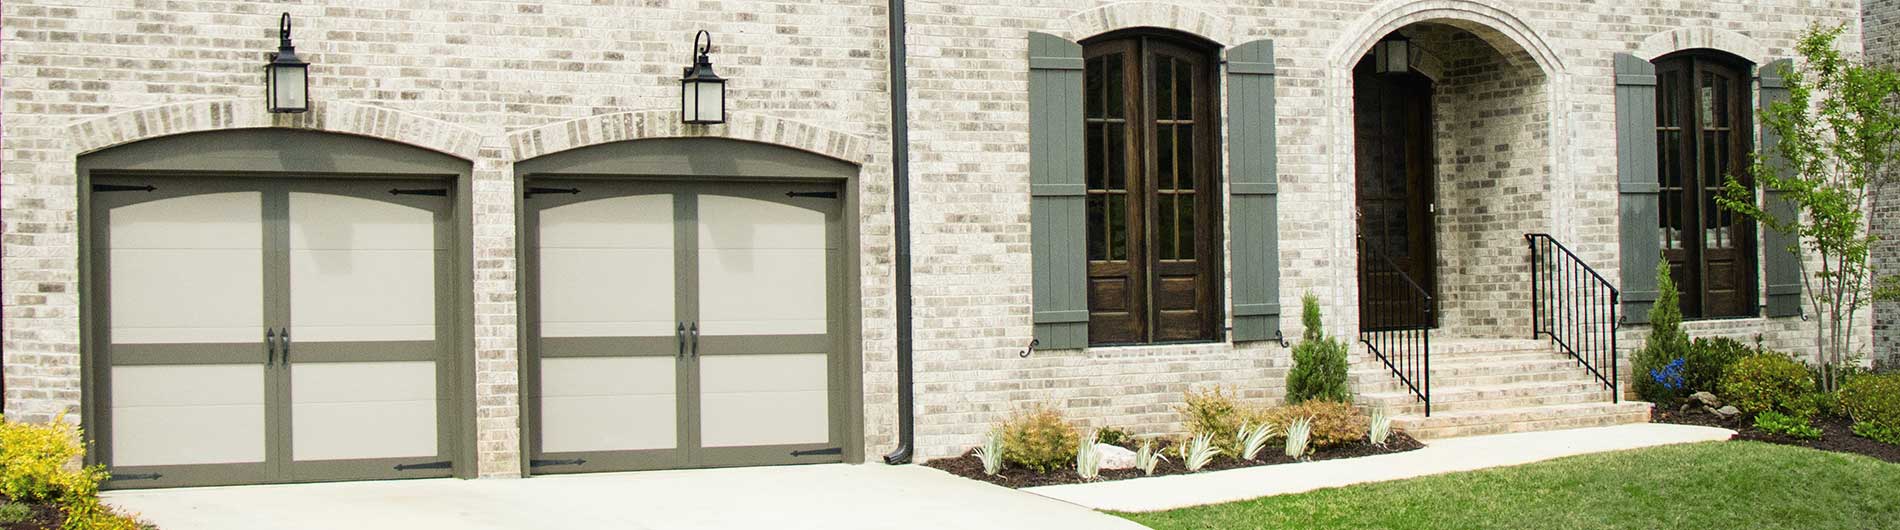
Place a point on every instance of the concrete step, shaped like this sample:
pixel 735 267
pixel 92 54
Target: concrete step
pixel 1480 374
pixel 1541 418
pixel 1497 397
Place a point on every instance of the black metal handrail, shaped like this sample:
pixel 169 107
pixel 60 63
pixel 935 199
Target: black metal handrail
pixel 1395 321
pixel 1576 307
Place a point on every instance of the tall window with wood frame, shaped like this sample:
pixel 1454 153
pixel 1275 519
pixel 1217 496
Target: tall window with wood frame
pixel 1153 221
pixel 1703 136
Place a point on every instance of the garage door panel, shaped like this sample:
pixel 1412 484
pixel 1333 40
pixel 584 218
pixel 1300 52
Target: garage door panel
pixel 363 410
pixel 607 268
pixel 188 414
pixel 361 269
pixel 187 269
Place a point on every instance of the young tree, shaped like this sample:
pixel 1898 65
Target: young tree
pixel 1840 130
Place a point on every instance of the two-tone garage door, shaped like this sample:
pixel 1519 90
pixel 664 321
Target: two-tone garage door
pixel 271 330
pixel 683 324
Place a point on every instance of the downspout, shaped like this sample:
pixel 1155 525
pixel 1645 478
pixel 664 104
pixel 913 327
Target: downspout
pixel 900 191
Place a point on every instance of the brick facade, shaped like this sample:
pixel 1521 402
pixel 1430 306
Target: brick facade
pixel 1880 20
pixel 1525 124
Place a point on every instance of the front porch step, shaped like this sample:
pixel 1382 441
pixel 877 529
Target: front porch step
pixel 1491 387
pixel 1540 418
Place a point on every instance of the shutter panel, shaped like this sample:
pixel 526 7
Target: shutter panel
pixel 1781 265
pixel 1636 171
pixel 1056 192
pixel 1254 208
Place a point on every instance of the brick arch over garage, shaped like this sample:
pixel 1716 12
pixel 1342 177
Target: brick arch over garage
pixel 652 124
pixel 1124 15
pixel 212 115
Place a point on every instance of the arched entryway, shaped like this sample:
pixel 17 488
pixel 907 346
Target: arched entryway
pixel 1451 168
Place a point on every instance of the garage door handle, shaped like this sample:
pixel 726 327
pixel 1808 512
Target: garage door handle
pixel 270 347
pixel 680 333
pixel 695 334
pixel 286 338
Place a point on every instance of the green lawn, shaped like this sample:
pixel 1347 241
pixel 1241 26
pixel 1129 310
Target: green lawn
pixel 1718 485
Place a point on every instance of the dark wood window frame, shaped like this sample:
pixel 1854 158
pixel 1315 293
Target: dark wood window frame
pixel 1705 132
pixel 1153 206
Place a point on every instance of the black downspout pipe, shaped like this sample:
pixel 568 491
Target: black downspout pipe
pixel 900 197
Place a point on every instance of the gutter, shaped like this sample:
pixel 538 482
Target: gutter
pixel 900 191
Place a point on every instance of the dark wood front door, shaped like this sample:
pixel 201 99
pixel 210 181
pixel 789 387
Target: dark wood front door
pixel 1392 135
pixel 1702 135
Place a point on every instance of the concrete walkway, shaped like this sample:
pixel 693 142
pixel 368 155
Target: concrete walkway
pixel 832 497
pixel 1442 456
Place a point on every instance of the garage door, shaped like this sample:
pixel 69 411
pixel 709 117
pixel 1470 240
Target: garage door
pixel 265 330
pixel 683 325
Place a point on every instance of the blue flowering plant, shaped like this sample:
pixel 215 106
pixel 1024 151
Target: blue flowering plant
pixel 1669 376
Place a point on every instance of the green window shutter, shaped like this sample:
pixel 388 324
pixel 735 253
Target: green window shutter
pixel 1056 193
pixel 1781 266
pixel 1637 184
pixel 1254 210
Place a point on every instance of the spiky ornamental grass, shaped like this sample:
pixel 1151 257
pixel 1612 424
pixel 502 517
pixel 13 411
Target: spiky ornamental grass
pixel 1196 453
pixel 1253 439
pixel 1088 461
pixel 1146 457
pixel 991 453
pixel 1381 429
pixel 1297 436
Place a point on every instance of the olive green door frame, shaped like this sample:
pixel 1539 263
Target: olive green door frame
pixel 277 163
pixel 684 161
pixel 688 347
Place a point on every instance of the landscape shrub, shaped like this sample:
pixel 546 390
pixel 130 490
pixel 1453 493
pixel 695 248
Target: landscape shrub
pixel 1665 343
pixel 1112 435
pixel 37 465
pixel 1334 423
pixel 1708 358
pixel 1873 401
pixel 1777 422
pixel 1219 415
pixel 1768 381
pixel 1319 361
pixel 1039 439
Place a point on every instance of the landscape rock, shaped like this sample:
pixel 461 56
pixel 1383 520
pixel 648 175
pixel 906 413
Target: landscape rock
pixel 1115 457
pixel 1706 399
pixel 1727 412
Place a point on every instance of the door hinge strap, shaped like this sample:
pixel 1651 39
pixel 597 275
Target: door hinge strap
pixel 813 194
pixel 545 463
pixel 135 476
pixel 432 192
pixel 817 452
pixel 533 191
pixel 426 465
pixel 122 187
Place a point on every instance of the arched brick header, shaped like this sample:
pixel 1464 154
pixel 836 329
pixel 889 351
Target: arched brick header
pixel 1680 39
pixel 1123 15
pixel 210 115
pixel 1506 32
pixel 647 124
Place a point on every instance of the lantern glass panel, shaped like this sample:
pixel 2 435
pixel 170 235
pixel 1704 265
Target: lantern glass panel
pixel 712 102
pixel 689 101
pixel 288 88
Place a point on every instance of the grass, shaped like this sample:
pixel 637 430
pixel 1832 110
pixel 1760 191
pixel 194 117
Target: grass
pixel 1709 485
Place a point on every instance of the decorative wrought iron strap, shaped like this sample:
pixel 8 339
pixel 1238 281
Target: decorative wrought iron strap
pixel 1576 307
pixel 544 463
pixel 425 465
pixel 1396 324
pixel 818 452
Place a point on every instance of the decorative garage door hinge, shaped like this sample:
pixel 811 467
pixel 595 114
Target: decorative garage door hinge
pixel 817 452
pixel 533 191
pixel 121 187
pixel 813 194
pixel 546 463
pixel 134 476
pixel 432 192
pixel 426 465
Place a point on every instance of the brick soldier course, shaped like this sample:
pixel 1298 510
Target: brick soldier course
pixel 1525 120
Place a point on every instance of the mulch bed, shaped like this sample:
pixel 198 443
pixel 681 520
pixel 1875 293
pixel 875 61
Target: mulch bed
pixel 45 517
pixel 1836 433
pixel 969 466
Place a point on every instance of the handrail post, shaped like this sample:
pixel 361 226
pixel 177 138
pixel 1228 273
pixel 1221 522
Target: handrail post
pixel 1536 300
pixel 1616 373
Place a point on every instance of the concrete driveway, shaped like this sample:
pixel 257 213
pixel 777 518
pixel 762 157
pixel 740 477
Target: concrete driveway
pixel 831 497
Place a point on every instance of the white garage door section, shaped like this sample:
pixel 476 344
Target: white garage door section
pixel 187 276
pixel 683 325
pixel 762 272
pixel 606 273
pixel 273 330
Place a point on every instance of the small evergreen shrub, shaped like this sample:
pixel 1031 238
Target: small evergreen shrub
pixel 1779 423
pixel 1873 401
pixel 15 513
pixel 1112 435
pixel 1039 440
pixel 36 467
pixel 1319 361
pixel 1708 358
pixel 1334 423
pixel 1765 382
pixel 1665 343
pixel 1219 415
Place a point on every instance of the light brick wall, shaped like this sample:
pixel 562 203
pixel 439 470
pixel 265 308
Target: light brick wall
pixel 1881 22
pixel 493 68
